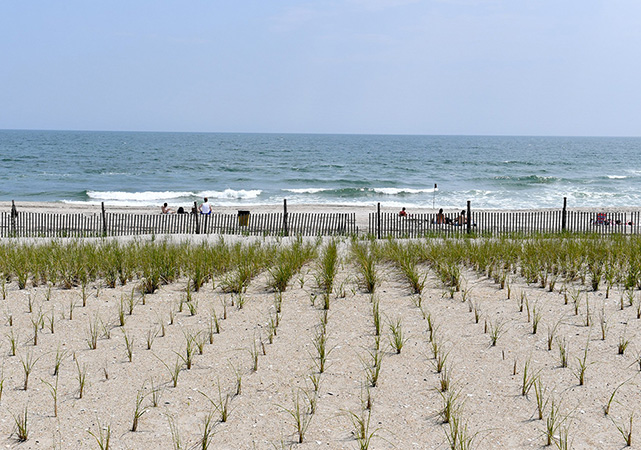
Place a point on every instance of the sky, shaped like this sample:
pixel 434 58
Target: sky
pixel 471 67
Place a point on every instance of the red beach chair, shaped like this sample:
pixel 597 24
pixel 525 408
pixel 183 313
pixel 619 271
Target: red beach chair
pixel 601 219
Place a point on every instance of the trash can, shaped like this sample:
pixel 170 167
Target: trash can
pixel 243 218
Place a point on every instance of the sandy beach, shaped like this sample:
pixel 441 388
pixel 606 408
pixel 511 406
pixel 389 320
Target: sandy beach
pixel 406 403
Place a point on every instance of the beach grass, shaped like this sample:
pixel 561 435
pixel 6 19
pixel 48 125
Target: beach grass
pixel 100 284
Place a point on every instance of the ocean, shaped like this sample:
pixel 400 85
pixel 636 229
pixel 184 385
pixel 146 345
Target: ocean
pixel 149 168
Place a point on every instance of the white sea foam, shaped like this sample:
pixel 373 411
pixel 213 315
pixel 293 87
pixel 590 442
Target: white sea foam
pixel 146 196
pixel 231 194
pixel 306 191
pixel 398 191
pixel 617 177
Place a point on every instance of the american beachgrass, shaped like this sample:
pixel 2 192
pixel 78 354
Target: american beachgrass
pixel 554 421
pixel 129 344
pixel 496 329
pixel 173 370
pixel 254 354
pixel 59 357
pixel 542 397
pixel 81 377
pixel 288 261
pixel 176 440
pixel 519 261
pixel 552 331
pixel 139 409
pixel 222 403
pixel 53 390
pixel 190 349
pixel 103 436
pixel 326 267
pixel 372 367
pixel 529 377
pixel 21 422
pixel 579 371
pixel 440 356
pixel 563 351
pixel 159 262
pixel 362 430
pixel 403 256
pixel 623 343
pixel 365 256
pixel 451 404
pixel 152 333
pixel 206 433
pixel 625 429
pixel 608 405
pixel 397 337
pixel 300 414
pixel 319 341
pixel 28 362
pixel 155 392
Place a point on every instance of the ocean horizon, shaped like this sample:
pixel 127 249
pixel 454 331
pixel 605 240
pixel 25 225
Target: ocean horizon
pixel 150 168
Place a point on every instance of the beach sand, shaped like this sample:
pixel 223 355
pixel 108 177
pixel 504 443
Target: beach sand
pixel 406 401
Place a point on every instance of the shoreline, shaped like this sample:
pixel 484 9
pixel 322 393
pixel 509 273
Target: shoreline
pixel 79 208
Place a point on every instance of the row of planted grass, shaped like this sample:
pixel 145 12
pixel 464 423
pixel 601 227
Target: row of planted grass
pixel 596 261
pixel 77 263
pixel 491 257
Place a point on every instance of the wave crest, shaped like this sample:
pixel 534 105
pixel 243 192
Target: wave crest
pixel 137 196
pixel 241 194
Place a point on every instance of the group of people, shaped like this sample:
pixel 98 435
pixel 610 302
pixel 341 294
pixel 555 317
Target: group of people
pixel 440 218
pixel 204 208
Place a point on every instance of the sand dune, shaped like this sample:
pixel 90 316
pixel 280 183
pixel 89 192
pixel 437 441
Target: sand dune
pixel 406 409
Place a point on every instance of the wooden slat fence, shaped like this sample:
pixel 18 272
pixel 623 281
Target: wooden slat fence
pixel 413 226
pixel 28 224
pixel 498 223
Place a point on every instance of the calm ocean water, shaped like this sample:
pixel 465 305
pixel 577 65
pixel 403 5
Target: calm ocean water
pixel 124 168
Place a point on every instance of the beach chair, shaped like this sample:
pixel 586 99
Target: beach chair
pixel 601 219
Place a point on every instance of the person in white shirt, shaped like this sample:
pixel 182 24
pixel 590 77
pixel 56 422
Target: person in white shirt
pixel 205 207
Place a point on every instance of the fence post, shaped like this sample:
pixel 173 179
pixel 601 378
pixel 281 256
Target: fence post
pixel 469 217
pixel 14 216
pixel 104 219
pixel 564 214
pixel 378 221
pixel 285 227
pixel 196 218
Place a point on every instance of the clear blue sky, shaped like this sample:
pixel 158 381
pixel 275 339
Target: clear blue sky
pixel 516 67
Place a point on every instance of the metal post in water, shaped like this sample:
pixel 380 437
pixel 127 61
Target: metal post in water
pixel 434 195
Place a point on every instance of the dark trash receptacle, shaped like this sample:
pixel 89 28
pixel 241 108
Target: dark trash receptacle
pixel 243 218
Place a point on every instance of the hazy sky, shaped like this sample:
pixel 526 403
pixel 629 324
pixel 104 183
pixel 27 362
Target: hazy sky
pixel 520 67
